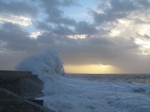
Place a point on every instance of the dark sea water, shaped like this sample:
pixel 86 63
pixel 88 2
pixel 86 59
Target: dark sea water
pixel 131 78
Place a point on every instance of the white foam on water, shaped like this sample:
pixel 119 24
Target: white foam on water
pixel 66 94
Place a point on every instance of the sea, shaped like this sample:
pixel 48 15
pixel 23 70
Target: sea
pixel 88 92
pixel 130 78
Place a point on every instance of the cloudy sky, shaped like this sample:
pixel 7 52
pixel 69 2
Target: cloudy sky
pixel 93 36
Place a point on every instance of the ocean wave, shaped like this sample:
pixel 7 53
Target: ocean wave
pixel 66 94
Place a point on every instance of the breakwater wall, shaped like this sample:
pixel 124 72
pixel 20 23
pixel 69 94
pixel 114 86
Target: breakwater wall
pixel 19 90
pixel 22 83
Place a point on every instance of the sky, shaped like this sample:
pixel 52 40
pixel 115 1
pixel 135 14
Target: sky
pixel 92 36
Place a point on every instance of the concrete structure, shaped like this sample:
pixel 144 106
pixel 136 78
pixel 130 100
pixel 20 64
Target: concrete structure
pixel 10 102
pixel 22 83
pixel 18 92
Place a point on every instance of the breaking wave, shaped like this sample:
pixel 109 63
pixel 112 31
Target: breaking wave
pixel 66 94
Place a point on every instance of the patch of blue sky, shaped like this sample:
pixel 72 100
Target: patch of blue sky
pixel 80 12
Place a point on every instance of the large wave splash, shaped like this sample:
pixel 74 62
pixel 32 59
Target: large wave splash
pixel 45 65
pixel 65 94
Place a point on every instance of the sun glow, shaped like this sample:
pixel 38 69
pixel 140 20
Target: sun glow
pixel 91 69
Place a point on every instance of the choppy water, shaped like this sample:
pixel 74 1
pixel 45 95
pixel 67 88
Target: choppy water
pixel 131 78
pixel 103 93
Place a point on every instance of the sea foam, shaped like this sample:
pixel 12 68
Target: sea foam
pixel 66 94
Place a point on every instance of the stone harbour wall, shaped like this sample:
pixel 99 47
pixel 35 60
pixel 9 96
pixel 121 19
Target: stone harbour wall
pixel 22 83
pixel 18 92
pixel 10 102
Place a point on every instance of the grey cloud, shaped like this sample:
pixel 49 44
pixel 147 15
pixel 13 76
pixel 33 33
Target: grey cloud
pixel 55 14
pixel 58 29
pixel 40 25
pixel 18 8
pixel 118 9
pixel 147 37
pixel 67 3
pixel 145 3
pixel 99 48
pixel 61 20
pixel 122 5
pixel 107 16
pixel 74 51
pixel 51 40
pixel 61 30
pixel 50 3
pixel 15 38
pixel 100 41
pixel 117 52
pixel 140 21
pixel 83 27
pixel 96 50
pixel 55 3
pixel 47 38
